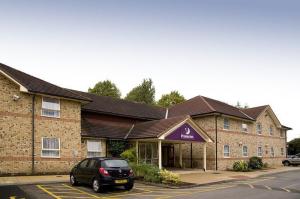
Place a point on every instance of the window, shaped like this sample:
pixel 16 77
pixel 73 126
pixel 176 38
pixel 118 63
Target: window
pixel 271 130
pixel 50 147
pixel 226 151
pixel 259 128
pixel 244 127
pixel 93 148
pixel 282 133
pixel 50 107
pixel 245 151
pixel 272 152
pixel 259 151
pixel 282 151
pixel 148 153
pixel 226 123
pixel 84 163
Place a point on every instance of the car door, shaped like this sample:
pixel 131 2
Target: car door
pixel 81 171
pixel 297 159
pixel 91 170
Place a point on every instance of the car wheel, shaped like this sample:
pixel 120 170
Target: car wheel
pixel 286 163
pixel 128 186
pixel 73 180
pixel 96 186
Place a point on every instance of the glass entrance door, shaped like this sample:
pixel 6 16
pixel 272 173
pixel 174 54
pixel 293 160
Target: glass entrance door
pixel 168 155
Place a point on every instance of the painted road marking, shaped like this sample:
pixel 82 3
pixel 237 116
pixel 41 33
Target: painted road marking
pixel 251 186
pixel 269 188
pixel 286 190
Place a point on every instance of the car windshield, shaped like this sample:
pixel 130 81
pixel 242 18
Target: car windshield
pixel 114 163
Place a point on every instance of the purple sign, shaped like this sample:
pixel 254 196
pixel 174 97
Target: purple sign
pixel 185 133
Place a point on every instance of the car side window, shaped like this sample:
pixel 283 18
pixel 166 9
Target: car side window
pixel 92 163
pixel 84 163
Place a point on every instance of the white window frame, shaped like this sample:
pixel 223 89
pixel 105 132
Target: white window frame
pixel 87 148
pixel 244 128
pixel 272 152
pixel 226 127
pixel 225 155
pixel 50 109
pixel 243 151
pixel 259 132
pixel 55 157
pixel 258 151
pixel 271 130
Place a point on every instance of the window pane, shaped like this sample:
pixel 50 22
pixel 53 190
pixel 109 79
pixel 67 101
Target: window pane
pixel 50 103
pixel 94 146
pixel 51 143
pixel 50 153
pixel 114 163
pixel 93 154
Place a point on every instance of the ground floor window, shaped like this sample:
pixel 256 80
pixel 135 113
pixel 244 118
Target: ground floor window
pixel 259 151
pixel 93 148
pixel 148 153
pixel 50 147
pixel 282 151
pixel 272 152
pixel 226 151
pixel 245 151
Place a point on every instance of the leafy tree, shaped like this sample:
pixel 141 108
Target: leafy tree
pixel 145 93
pixel 106 88
pixel 294 146
pixel 239 105
pixel 168 100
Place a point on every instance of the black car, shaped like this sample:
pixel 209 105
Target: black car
pixel 101 172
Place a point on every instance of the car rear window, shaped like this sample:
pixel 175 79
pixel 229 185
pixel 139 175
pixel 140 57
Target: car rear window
pixel 114 163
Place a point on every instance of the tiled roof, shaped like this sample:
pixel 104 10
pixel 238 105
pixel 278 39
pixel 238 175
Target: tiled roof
pixel 113 106
pixel 255 111
pixel 36 85
pixel 200 105
pixel 102 129
pixel 153 129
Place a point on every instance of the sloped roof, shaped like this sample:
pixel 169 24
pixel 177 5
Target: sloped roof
pixel 200 105
pixel 153 129
pixel 36 85
pixel 255 111
pixel 120 107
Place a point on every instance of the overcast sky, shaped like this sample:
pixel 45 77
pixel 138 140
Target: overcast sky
pixel 233 50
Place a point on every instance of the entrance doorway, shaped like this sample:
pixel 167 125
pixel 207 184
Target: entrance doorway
pixel 168 156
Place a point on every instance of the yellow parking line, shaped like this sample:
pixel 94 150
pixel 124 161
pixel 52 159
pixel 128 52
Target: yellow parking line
pixel 285 189
pixel 268 187
pixel 48 192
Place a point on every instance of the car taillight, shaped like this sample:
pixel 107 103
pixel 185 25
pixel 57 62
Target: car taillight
pixel 103 172
pixel 131 172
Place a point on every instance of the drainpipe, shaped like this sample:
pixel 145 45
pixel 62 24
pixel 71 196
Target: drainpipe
pixel 216 140
pixel 32 134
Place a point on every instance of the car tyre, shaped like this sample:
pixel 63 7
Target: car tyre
pixel 128 187
pixel 97 186
pixel 73 180
pixel 286 163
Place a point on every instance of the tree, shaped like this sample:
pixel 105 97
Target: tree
pixel 294 146
pixel 145 93
pixel 168 100
pixel 238 105
pixel 106 88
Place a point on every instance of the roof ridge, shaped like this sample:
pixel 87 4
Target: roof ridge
pixel 209 106
pixel 256 107
pixel 246 114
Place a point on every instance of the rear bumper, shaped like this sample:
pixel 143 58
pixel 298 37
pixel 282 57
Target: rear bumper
pixel 109 181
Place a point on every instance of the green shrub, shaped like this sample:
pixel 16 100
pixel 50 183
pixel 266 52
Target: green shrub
pixel 169 177
pixel 266 165
pixel 255 163
pixel 148 172
pixel 130 155
pixel 240 166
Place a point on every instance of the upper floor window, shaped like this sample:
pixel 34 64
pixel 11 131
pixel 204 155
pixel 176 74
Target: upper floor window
pixel 50 147
pixel 93 148
pixel 50 107
pixel 272 152
pixel 226 151
pixel 259 151
pixel 271 130
pixel 244 127
pixel 282 133
pixel 259 128
pixel 226 123
pixel 245 151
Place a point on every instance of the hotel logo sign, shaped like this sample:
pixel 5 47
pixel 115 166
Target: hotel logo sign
pixel 185 133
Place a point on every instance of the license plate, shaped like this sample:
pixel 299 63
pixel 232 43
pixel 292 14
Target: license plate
pixel 120 181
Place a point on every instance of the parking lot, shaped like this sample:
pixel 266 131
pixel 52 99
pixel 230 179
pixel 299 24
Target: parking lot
pixel 277 186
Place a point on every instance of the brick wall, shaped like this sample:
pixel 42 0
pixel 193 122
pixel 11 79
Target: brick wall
pixel 16 131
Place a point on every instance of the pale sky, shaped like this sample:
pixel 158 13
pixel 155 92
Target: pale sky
pixel 233 50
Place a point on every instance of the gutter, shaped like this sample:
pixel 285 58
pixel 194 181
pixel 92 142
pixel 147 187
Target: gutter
pixel 32 135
